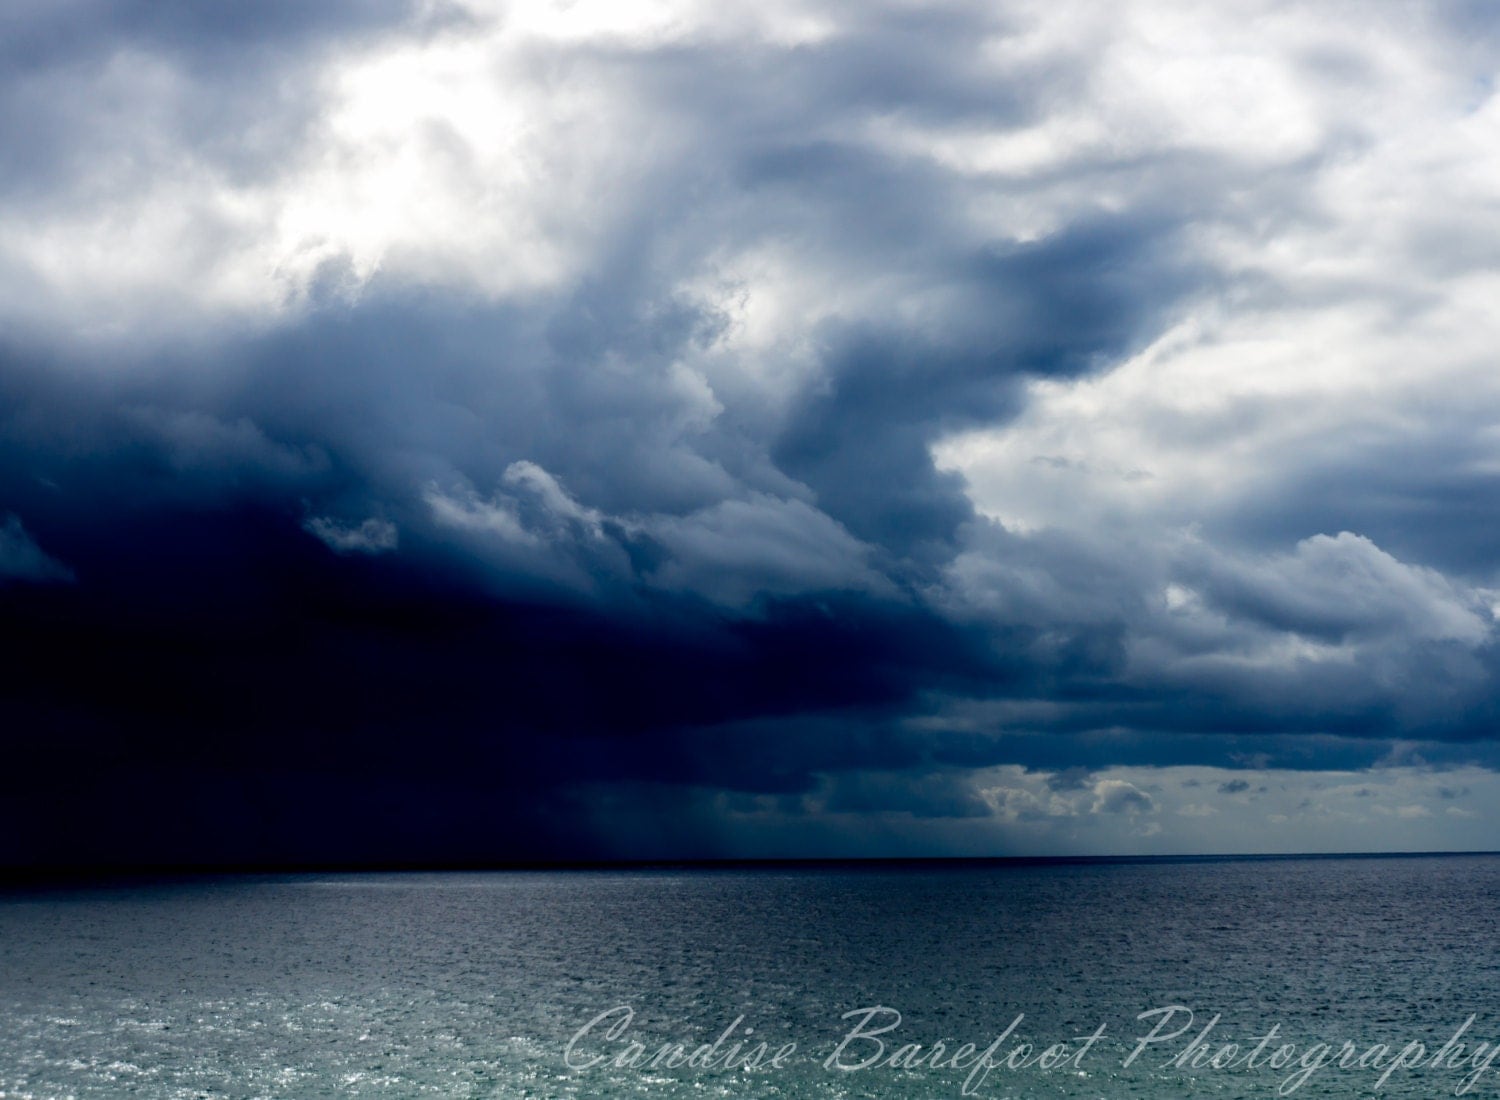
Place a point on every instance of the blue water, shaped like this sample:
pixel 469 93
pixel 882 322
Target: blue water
pixel 472 985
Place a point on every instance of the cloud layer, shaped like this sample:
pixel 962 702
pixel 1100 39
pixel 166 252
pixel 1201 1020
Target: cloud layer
pixel 466 431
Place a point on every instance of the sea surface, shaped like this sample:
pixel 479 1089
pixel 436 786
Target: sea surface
pixel 476 984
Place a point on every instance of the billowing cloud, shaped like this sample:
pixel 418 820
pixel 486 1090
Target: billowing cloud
pixel 1117 796
pixel 946 423
pixel 371 536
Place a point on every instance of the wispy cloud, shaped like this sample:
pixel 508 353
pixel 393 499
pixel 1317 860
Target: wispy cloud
pixel 21 559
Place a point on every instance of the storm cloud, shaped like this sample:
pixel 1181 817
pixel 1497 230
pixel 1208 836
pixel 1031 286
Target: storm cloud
pixel 456 432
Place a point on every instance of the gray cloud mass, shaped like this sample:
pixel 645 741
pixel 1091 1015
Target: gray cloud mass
pixel 814 429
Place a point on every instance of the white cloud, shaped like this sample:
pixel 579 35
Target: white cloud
pixel 494 157
pixel 1347 585
pixel 372 536
pixel 1117 796
pixel 1200 809
pixel 731 553
pixel 1328 378
pixel 466 511
pixel 552 496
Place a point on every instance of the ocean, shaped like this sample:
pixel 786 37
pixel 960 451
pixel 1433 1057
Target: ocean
pixel 1318 977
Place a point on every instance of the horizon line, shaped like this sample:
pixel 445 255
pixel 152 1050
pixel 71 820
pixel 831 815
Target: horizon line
pixel 84 874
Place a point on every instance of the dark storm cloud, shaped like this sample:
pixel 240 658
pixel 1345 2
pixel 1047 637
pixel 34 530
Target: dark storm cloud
pixel 217 644
pixel 922 796
pixel 862 442
pixel 427 570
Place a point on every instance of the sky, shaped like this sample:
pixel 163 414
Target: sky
pixel 455 431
